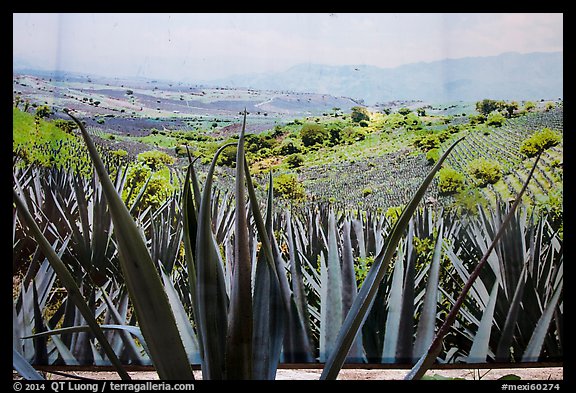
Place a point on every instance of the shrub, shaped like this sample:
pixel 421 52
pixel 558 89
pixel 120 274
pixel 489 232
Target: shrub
pixel 228 156
pixel 427 142
pixel 450 181
pixel 484 171
pixel 393 213
pixel 120 153
pixel 538 141
pixel 367 191
pixel 181 151
pixel 413 121
pixel 155 159
pixel 295 160
pixel 453 129
pixel 433 155
pixel 395 120
pixel 255 143
pixel 477 119
pixel 264 153
pixel 354 134
pixel 288 146
pixel 529 106
pixel 157 191
pixel 495 119
pixel 312 134
pixel 335 134
pixel 287 186
pixel 65 125
pixel 404 111
pixel 43 111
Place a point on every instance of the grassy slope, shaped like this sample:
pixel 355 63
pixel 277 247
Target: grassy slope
pixel 24 130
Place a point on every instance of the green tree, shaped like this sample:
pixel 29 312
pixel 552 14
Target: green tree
pixel 155 159
pixel 295 160
pixel 359 113
pixel 335 134
pixel 432 155
pixel 137 175
pixel 65 125
pixel 529 106
pixel 312 134
pixel 538 141
pixel 157 191
pixel 288 146
pixel 257 142
pixel 510 108
pixel 288 186
pixel 495 119
pixel 484 171
pixel 43 111
pixel 228 156
pixel 487 106
pixel 477 119
pixel 404 111
pixel 450 181
pixel 427 142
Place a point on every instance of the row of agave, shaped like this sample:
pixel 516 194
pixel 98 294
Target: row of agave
pixel 252 291
pixel 380 183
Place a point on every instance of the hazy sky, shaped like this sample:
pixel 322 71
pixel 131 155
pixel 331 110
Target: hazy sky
pixel 206 46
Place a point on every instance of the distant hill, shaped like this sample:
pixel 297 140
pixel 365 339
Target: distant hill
pixel 509 76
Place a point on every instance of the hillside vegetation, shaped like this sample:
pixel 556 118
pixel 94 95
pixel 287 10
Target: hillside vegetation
pixel 361 159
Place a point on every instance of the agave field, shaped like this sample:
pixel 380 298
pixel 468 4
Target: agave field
pixel 238 282
pixel 501 144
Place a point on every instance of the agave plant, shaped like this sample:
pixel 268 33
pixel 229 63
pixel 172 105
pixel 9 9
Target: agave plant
pixel 254 290
pixel 479 347
pixel 523 281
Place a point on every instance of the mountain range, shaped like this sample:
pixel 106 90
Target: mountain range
pixel 508 76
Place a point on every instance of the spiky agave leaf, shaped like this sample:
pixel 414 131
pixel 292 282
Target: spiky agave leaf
pixel 66 279
pixel 363 302
pixel 278 309
pixel 331 302
pixel 427 322
pixel 269 318
pixel 153 311
pixel 426 361
pixel 21 365
pixel 211 297
pixel 239 336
